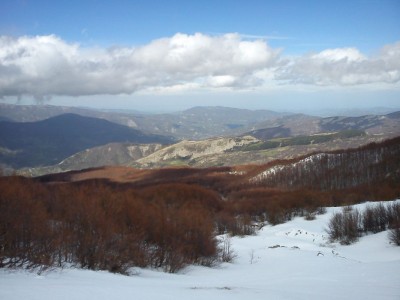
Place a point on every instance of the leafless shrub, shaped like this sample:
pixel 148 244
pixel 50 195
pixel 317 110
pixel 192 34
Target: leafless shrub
pixel 345 226
pixel 394 235
pixel 251 254
pixel 310 216
pixel 226 252
pixel 393 218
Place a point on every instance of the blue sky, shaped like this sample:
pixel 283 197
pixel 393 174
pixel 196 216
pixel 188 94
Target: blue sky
pixel 151 54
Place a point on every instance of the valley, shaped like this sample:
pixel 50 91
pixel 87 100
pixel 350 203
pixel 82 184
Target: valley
pixel 198 137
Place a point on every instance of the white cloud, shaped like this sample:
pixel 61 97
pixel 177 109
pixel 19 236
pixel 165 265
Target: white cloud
pixel 221 80
pixel 44 66
pixel 340 54
pixel 47 65
pixel 344 66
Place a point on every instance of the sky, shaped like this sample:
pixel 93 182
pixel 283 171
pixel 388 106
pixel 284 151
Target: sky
pixel 171 55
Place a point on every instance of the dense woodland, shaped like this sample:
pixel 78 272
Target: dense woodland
pixel 169 218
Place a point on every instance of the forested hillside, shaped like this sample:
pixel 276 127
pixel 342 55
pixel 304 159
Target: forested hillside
pixel 336 170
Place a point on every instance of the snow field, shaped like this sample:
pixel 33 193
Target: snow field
pixel 288 261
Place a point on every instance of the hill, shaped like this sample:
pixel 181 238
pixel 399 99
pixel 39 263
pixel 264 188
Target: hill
pixel 205 130
pixel 200 123
pixel 299 124
pixel 113 154
pixel 49 141
pixel 195 123
pixel 331 170
pixel 223 151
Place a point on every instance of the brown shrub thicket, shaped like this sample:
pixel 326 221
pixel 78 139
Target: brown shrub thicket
pixel 96 226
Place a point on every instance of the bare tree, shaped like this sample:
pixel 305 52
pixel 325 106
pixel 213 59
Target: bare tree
pixel 251 254
pixel 227 253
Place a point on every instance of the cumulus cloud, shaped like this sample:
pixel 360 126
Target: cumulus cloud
pixel 344 66
pixel 47 65
pixel 44 66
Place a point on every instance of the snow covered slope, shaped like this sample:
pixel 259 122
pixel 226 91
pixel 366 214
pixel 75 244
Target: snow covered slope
pixel 287 261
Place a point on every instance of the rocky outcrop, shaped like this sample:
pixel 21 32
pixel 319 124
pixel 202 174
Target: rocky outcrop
pixel 187 151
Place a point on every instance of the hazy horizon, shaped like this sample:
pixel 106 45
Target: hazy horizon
pixel 319 111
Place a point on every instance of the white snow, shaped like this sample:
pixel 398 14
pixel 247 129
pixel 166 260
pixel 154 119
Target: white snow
pixel 307 163
pixel 267 173
pixel 303 266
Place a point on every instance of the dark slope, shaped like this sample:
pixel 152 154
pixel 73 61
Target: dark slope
pixel 193 124
pixel 348 123
pixel 52 140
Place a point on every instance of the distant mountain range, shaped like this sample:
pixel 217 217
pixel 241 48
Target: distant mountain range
pixel 47 142
pixel 193 124
pixel 210 136
pixel 200 123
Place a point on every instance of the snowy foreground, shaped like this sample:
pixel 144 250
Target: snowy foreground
pixel 303 266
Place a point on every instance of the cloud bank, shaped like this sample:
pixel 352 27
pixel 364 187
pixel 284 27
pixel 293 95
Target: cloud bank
pixel 44 66
pixel 345 67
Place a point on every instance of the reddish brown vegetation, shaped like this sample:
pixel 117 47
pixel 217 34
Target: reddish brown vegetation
pixel 168 218
pixel 338 169
pixel 98 226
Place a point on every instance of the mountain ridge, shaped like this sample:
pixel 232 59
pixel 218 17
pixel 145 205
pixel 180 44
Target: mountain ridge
pixel 52 140
pixel 274 136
